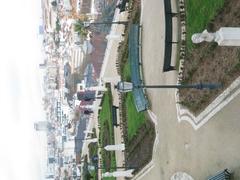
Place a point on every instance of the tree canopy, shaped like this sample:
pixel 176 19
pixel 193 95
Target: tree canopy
pixel 79 27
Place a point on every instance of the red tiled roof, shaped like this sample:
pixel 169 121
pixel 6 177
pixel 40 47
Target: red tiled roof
pixel 99 43
pixel 85 6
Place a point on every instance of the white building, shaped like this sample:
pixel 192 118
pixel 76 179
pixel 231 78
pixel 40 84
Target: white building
pixel 42 126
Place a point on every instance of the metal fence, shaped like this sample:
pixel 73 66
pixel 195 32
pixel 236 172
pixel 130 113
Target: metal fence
pixel 140 100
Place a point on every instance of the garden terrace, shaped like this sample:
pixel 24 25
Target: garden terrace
pixel 106 132
pixel 139 132
pixel 208 62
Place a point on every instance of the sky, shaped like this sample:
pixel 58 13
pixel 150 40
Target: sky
pixel 22 149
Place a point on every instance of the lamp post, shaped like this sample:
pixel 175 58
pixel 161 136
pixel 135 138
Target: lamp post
pixel 88 24
pixel 124 172
pixel 128 86
pixel 92 167
pixel 84 139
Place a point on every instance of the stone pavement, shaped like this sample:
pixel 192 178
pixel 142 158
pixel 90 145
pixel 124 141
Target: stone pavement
pixel 200 153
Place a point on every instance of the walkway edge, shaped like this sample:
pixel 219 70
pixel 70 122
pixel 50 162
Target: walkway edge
pixel 151 164
pixel 146 169
pixel 183 114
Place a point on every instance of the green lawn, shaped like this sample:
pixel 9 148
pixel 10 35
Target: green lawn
pixel 199 13
pixel 105 113
pixel 93 151
pixel 134 119
pixel 126 72
pixel 106 131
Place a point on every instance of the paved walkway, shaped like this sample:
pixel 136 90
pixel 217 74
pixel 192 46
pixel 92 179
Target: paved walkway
pixel 109 75
pixel 201 153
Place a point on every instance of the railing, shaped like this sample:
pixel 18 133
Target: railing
pixel 222 175
pixel 140 100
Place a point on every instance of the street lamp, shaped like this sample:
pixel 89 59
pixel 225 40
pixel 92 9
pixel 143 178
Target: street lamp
pixel 123 86
pixel 87 24
pixel 92 167
pixel 125 171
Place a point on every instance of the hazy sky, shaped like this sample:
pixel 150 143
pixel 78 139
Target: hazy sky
pixel 21 147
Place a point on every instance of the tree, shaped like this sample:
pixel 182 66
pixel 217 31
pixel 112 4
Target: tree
pixel 79 27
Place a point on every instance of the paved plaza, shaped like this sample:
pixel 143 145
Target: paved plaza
pixel 200 153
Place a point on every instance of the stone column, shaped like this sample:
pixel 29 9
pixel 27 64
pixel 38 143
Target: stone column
pixel 225 36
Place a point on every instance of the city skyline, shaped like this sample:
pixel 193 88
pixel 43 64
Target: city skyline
pixel 23 154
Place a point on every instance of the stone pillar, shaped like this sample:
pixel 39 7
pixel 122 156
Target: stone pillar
pixel 225 36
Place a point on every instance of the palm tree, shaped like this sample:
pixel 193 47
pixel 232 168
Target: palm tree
pixel 79 27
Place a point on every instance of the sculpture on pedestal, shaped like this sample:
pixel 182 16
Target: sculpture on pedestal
pixel 116 147
pixel 127 173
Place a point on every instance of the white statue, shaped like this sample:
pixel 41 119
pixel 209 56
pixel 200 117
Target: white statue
pixel 116 147
pixel 225 36
pixel 204 36
pixel 127 173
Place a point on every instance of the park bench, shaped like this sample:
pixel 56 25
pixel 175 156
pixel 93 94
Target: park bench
pixel 134 44
pixel 114 116
pixel 168 36
pixel 122 5
pixel 222 175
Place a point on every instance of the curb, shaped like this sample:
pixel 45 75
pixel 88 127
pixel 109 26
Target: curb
pixel 183 114
pixel 151 164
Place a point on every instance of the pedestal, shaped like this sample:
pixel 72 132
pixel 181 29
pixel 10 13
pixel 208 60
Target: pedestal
pixel 228 36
